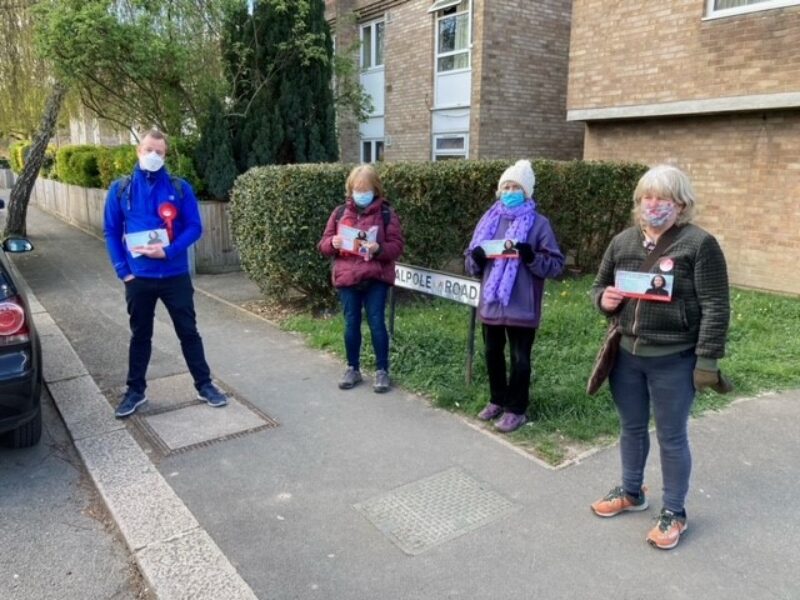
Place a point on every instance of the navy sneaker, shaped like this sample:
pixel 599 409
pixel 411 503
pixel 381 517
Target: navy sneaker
pixel 212 395
pixel 130 402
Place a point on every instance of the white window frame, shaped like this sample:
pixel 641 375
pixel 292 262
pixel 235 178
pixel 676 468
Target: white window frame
pixel 435 154
pixel 373 145
pixel 373 44
pixel 440 17
pixel 712 13
pixel 442 4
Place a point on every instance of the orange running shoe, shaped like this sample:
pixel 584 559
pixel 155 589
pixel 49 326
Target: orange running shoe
pixel 617 501
pixel 667 533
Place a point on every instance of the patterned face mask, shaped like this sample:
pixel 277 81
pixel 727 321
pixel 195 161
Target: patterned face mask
pixel 658 214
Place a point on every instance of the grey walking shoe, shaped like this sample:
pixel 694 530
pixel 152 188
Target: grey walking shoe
pixel 382 383
pixel 351 378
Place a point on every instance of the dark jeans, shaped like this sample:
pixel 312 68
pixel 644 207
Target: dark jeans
pixel 372 297
pixel 177 294
pixel 666 383
pixel 512 394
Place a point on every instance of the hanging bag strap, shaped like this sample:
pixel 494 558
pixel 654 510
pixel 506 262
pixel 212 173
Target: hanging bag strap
pixel 607 355
pixel 664 242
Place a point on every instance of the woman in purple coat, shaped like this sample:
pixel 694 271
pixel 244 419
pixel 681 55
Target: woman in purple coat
pixel 511 291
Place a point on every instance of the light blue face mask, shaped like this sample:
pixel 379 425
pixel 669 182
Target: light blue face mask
pixel 512 198
pixel 363 199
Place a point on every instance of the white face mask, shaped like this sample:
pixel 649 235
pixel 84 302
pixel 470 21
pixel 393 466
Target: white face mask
pixel 151 162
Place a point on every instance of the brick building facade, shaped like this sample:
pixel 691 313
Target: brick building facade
pixel 458 79
pixel 712 86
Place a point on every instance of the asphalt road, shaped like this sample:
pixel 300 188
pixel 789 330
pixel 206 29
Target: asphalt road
pixel 56 539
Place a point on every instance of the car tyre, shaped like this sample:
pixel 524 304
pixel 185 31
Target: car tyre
pixel 27 435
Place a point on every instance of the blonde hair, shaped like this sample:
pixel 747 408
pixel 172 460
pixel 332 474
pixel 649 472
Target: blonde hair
pixel 666 181
pixel 369 173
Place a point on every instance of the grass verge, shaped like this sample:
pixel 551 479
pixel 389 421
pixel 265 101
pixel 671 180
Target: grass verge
pixel 429 352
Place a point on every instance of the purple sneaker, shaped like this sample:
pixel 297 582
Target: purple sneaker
pixel 510 422
pixel 490 412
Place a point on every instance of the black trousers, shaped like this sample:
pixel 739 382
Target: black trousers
pixel 512 392
pixel 177 294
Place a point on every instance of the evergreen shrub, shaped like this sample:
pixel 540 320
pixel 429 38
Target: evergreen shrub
pixel 279 212
pixel 77 165
pixel 17 153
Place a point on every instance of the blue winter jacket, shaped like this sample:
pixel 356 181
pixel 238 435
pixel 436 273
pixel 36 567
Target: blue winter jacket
pixel 138 211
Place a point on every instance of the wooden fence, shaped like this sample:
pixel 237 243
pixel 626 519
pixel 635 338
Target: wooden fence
pixel 83 208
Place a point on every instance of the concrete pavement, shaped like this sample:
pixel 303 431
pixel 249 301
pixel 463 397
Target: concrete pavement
pixel 328 494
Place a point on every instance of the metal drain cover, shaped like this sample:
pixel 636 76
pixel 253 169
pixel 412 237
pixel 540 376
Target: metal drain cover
pixel 434 510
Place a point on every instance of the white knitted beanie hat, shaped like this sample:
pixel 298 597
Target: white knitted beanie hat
pixel 522 174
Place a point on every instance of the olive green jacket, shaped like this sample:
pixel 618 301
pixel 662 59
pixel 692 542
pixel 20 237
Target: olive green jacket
pixel 699 311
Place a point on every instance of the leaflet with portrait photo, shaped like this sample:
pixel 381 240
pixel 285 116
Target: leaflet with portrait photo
pixel 354 240
pixel 500 248
pixel 645 286
pixel 150 237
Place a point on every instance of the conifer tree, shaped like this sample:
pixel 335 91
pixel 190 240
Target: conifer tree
pixel 279 63
pixel 214 155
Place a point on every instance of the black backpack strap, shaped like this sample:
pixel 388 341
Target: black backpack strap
pixel 340 212
pixel 124 190
pixel 177 185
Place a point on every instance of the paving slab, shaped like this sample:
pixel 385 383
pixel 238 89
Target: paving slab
pixel 83 408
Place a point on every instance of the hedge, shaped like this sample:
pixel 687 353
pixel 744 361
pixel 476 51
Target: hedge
pixel 17 154
pixel 278 213
pixel 97 166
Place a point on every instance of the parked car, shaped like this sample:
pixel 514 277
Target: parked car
pixel 20 356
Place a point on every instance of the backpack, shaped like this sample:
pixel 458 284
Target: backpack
pixel 124 190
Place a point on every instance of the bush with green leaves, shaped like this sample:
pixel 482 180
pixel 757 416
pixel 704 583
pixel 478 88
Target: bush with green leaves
pixel 77 165
pixel 115 162
pixel 278 213
pixel 99 166
pixel 17 153
pixel 4 163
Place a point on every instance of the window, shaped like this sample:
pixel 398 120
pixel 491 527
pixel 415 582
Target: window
pixel 449 147
pixel 453 36
pixel 725 8
pixel 371 151
pixel 372 35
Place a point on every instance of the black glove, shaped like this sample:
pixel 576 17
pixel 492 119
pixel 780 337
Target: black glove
pixel 479 257
pixel 526 252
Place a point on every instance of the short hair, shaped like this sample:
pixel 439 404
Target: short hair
pixel 666 181
pixel 156 134
pixel 369 173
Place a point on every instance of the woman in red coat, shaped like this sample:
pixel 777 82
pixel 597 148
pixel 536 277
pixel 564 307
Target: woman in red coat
pixel 363 271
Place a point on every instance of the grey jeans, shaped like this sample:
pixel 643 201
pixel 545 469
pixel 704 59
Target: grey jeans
pixel 666 383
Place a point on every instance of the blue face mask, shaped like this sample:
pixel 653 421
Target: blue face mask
pixel 363 199
pixel 512 198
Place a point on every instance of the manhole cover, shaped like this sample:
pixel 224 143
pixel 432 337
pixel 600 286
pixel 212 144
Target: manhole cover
pixel 434 510
pixel 174 421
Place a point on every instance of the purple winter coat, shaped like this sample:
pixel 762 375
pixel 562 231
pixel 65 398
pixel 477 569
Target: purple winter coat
pixel 525 305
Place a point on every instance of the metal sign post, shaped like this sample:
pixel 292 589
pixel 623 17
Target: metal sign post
pixel 464 290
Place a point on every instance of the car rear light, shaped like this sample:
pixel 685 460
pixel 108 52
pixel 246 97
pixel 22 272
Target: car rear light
pixel 13 326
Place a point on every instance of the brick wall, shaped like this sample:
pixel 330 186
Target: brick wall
pixel 409 82
pixel 746 172
pixel 346 32
pixel 630 52
pixel 520 81
pixel 518 104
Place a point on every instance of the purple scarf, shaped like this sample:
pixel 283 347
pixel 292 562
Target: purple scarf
pixel 501 279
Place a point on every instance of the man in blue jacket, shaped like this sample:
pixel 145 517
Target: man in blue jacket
pixel 147 201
